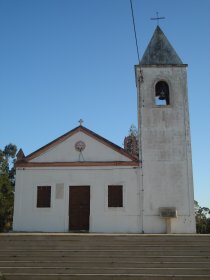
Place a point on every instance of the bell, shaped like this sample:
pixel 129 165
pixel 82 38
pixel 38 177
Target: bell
pixel 162 95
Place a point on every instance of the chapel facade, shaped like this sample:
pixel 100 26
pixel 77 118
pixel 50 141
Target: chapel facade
pixel 83 182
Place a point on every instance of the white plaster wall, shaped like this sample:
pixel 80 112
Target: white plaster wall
pixel 155 224
pixel 165 151
pixel 55 219
pixel 94 151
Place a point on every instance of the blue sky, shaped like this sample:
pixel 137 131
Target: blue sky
pixel 62 60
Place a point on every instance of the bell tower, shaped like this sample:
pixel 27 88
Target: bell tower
pixel 164 137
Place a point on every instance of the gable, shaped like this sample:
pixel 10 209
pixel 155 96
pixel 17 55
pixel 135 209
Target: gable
pixel 66 152
pixel 62 150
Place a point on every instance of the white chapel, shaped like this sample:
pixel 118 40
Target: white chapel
pixel 83 182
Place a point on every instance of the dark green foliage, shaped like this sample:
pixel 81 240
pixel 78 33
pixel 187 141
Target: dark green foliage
pixel 2 276
pixel 10 151
pixel 7 181
pixel 202 218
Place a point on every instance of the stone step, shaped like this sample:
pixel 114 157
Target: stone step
pixel 104 257
pixel 106 237
pixel 74 245
pixel 69 246
pixel 108 263
pixel 28 276
pixel 104 253
pixel 189 258
pixel 105 270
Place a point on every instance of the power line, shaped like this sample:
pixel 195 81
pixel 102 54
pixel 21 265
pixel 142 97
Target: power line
pixel 134 27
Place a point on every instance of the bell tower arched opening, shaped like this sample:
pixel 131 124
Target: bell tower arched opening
pixel 162 96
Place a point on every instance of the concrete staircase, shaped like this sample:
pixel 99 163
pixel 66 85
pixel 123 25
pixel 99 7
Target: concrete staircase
pixel 40 256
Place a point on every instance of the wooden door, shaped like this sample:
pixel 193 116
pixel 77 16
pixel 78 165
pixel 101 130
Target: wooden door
pixel 79 207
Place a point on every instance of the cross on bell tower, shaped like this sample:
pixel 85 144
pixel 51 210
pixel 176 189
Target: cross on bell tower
pixel 157 18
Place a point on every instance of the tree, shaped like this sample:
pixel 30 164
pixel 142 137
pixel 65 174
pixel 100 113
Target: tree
pixel 2 276
pixel 131 142
pixel 202 219
pixel 7 182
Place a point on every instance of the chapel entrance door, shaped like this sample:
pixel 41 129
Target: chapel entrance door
pixel 79 207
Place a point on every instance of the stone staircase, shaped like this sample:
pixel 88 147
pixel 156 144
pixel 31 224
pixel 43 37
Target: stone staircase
pixel 41 256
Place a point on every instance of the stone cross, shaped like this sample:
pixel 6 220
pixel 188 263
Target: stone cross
pixel 81 122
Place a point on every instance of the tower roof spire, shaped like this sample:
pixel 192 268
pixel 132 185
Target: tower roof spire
pixel 160 51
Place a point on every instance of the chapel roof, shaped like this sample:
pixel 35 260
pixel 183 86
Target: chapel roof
pixel 26 160
pixel 160 51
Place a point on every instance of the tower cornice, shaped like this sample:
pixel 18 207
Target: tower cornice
pixel 160 65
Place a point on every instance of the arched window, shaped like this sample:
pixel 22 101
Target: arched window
pixel 162 96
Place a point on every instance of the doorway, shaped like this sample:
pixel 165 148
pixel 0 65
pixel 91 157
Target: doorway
pixel 79 208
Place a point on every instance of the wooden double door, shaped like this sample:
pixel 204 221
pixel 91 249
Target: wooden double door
pixel 79 207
